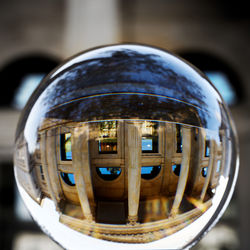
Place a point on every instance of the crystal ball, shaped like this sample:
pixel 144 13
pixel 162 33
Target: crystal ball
pixel 126 147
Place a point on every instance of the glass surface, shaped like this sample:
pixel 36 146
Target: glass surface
pixel 108 137
pixel 176 169
pixel 178 139
pixel 126 147
pixel 68 178
pixel 204 172
pixel 207 148
pixel 108 174
pixel 147 144
pixel 65 144
pixel 149 137
pixel 150 172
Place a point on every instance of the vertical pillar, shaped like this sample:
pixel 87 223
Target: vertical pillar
pixel 223 153
pixel 168 155
pixel 186 150
pixel 43 147
pixel 210 169
pixel 197 156
pixel 134 169
pixel 81 165
pixel 91 23
pixel 52 163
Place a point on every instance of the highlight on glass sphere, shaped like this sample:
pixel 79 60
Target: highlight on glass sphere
pixel 126 147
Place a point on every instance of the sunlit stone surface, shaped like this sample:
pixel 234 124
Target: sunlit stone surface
pixel 122 145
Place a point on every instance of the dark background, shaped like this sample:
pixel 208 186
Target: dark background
pixel 37 35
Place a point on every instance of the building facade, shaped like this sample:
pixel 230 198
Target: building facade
pixel 123 180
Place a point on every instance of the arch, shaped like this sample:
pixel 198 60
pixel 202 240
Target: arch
pixel 22 74
pixel 219 72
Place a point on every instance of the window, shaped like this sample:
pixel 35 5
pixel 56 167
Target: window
pixel 207 148
pixel 176 169
pixel 41 172
pixel 27 86
pixel 220 73
pixel 218 166
pixel 178 139
pixel 108 173
pixel 150 172
pixel 107 140
pixel 223 84
pixel 65 144
pixel 68 178
pixel 149 137
pixel 204 171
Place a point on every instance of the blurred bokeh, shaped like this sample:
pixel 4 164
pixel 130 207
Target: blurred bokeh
pixel 36 36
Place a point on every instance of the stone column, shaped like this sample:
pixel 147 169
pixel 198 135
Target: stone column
pixel 186 150
pixel 81 165
pixel 43 147
pixel 52 163
pixel 210 168
pixel 133 149
pixel 91 23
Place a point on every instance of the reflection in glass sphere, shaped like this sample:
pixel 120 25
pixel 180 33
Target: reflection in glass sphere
pixel 122 145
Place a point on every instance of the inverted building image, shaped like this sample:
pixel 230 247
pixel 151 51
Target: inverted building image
pixel 129 146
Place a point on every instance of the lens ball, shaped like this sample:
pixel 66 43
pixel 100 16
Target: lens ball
pixel 126 147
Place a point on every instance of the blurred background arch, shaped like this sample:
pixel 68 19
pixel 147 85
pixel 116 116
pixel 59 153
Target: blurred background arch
pixel 220 72
pixel 22 74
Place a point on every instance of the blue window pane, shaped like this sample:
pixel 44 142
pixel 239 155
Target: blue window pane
pixel 65 144
pixel 68 178
pixel 147 144
pixel 204 171
pixel 149 137
pixel 72 178
pixel 207 148
pixel 218 166
pixel 146 170
pixel 69 155
pixel 176 169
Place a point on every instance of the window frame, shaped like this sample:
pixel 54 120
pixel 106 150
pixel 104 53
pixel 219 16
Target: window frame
pixel 94 143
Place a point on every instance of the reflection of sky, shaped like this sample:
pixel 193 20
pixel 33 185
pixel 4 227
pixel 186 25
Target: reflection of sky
pixel 222 83
pixel 124 68
pixel 218 166
pixel 146 170
pixel 147 144
pixel 108 171
pixel 68 177
pixel 26 88
pixel 69 155
pixel 141 65
pixel 71 178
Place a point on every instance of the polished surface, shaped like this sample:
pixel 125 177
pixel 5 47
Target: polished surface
pixel 129 144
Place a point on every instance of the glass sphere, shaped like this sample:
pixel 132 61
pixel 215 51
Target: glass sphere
pixel 126 147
